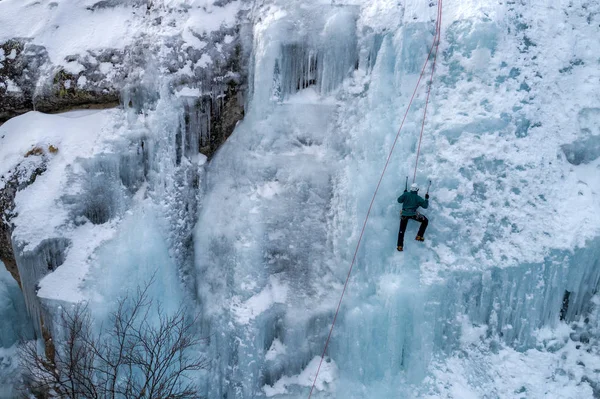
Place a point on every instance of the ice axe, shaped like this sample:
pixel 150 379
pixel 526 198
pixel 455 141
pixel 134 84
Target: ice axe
pixel 428 187
pixel 406 185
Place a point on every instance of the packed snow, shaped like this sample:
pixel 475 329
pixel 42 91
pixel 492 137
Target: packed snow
pixel 67 29
pixel 327 375
pixel 77 134
pixel 53 24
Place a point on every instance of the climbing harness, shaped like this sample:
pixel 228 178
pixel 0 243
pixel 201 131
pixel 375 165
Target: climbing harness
pixel 435 44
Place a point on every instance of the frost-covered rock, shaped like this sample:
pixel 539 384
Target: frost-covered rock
pixel 12 180
pixel 50 61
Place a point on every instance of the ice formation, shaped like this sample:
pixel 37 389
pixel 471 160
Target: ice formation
pixel 260 238
pixel 501 253
pixel 15 326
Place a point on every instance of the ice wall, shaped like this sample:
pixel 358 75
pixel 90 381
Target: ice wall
pixel 33 265
pixel 105 167
pixel 15 327
pixel 15 324
pixel 299 47
pixel 511 233
pixel 509 250
pixel 261 237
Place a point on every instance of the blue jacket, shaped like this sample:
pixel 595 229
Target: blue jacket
pixel 410 201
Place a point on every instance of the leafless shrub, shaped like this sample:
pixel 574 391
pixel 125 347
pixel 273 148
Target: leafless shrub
pixel 145 353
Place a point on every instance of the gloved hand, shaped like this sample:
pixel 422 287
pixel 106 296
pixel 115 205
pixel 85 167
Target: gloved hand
pixel 426 196
pixel 405 190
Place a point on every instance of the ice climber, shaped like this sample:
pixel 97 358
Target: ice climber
pixel 410 202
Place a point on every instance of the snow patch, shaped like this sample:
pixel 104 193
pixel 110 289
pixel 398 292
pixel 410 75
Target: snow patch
pixel 470 334
pixel 210 18
pixel 74 135
pixel 12 87
pixel 327 375
pixel 269 189
pixel 245 311
pixel 188 92
pixel 74 68
pixel 106 67
pixel 204 61
pixel 53 27
pixel 81 81
pixel 66 282
pixel 277 349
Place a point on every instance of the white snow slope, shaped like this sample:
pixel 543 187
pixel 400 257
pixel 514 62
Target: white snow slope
pixel 66 28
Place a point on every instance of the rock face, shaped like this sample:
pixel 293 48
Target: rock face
pixel 23 175
pixel 167 43
pixel 25 83
pixel 17 81
pixel 7 255
pixel 211 119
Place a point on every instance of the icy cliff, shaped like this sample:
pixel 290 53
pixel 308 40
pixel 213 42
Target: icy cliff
pixel 498 302
pixel 513 242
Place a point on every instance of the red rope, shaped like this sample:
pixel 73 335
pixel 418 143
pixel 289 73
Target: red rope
pixel 436 40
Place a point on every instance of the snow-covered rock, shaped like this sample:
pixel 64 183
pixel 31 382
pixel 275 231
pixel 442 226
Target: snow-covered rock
pixel 57 56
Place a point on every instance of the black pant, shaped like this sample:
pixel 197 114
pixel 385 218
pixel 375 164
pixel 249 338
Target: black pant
pixel 404 222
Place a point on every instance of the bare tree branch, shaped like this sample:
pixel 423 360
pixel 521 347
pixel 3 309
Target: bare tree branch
pixel 145 353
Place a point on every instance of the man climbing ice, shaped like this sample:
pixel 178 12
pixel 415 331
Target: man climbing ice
pixel 410 202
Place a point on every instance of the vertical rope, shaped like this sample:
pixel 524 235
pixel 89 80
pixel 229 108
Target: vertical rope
pixel 435 45
pixel 436 41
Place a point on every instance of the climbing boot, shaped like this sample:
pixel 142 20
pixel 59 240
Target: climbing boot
pixel 419 238
pixel 400 249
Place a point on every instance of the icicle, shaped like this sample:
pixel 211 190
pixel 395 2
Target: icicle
pixel 339 54
pixel 33 265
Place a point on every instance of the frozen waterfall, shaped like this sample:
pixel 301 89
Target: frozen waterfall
pixel 285 197
pixel 500 301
